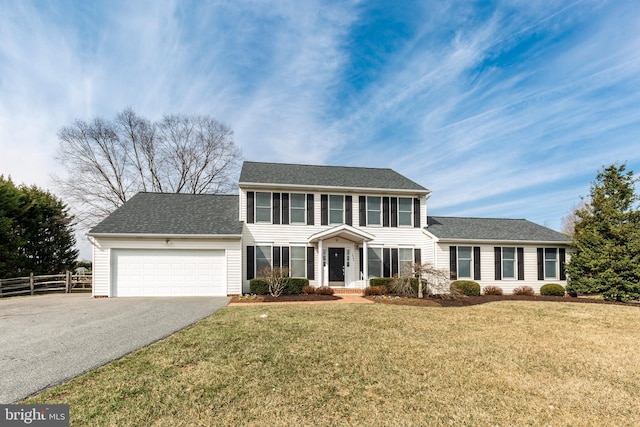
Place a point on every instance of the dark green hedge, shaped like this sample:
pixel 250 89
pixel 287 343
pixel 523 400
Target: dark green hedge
pixel 293 287
pixel 552 289
pixel 467 287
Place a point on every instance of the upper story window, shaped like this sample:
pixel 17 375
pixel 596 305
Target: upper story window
pixel 405 211
pixel 297 203
pixel 263 207
pixel 336 209
pixel 374 210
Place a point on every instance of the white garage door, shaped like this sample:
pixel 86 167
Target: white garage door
pixel 147 272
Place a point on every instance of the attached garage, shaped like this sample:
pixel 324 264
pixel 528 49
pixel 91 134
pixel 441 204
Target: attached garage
pixel 166 245
pixel 157 272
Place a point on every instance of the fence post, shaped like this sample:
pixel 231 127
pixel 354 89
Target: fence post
pixel 67 284
pixel 31 287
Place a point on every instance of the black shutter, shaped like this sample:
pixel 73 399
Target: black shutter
pixel 416 213
pixel 324 209
pixel 285 208
pixel 394 262
pixel 276 208
pixel 285 256
pixel 497 262
pixel 417 256
pixel 250 207
pixel 363 211
pixel 310 220
pixel 563 260
pixel 348 210
pixel 385 211
pixel 250 262
pixel 394 211
pixel 476 263
pixel 540 263
pixel 453 263
pixel 310 263
pixel 361 253
pixel 520 252
pixel 386 262
pixel 275 262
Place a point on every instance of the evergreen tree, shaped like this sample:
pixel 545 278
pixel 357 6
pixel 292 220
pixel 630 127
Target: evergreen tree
pixel 607 238
pixel 36 232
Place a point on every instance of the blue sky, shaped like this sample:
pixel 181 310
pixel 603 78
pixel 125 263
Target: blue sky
pixel 502 109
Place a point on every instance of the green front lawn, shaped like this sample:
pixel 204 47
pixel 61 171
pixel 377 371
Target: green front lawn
pixel 505 363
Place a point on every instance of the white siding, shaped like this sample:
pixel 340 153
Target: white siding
pixel 487 265
pixel 102 257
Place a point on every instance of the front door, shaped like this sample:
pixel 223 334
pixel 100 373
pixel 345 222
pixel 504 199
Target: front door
pixel 336 264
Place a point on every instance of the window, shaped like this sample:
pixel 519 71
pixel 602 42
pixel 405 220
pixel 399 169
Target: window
pixel 405 260
pixel 508 263
pixel 263 258
pixel 405 211
pixel 297 204
pixel 298 262
pixel 374 211
pixel 374 262
pixel 336 209
pixel 550 263
pixel 465 262
pixel 263 207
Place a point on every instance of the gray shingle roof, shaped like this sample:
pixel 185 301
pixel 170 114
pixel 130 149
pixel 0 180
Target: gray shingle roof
pixel 453 228
pixel 329 176
pixel 163 213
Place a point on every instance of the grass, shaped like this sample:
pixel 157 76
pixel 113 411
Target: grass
pixel 505 363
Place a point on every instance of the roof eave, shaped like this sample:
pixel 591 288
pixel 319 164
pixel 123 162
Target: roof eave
pixel 514 241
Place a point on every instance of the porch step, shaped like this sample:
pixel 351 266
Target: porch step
pixel 347 291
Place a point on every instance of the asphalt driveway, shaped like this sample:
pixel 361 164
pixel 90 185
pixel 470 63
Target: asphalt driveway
pixel 48 339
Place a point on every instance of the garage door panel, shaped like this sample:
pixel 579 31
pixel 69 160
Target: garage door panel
pixel 169 272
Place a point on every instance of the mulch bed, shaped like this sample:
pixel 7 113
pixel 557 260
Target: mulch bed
pixel 482 299
pixel 285 298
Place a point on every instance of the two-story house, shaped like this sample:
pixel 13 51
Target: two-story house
pixel 336 226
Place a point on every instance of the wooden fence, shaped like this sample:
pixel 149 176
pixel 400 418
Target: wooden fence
pixel 31 285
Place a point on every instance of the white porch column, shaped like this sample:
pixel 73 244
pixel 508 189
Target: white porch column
pixel 321 263
pixel 365 263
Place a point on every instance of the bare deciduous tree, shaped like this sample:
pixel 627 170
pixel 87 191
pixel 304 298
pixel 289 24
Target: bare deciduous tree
pixel 276 278
pixel 109 161
pixel 569 221
pixel 430 279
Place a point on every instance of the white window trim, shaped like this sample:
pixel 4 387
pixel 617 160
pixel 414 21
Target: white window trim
pixel 410 212
pixel 304 252
pixel 515 263
pixel 255 256
pixel 304 208
pixel 556 273
pixel 381 248
pixel 380 211
pixel 255 214
pixel 470 277
pixel 329 209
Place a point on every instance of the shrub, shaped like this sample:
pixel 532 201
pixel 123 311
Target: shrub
pixel 309 290
pixel 524 290
pixel 295 285
pixel 324 290
pixel 552 290
pixel 571 291
pixel 405 286
pixel 492 290
pixel 467 287
pixel 258 287
pixel 387 282
pixel 375 290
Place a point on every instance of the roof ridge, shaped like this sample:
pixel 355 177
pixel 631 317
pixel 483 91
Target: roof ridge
pixel 316 165
pixel 477 217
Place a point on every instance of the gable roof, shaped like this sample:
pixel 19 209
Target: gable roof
pixel 325 176
pixel 168 214
pixel 454 228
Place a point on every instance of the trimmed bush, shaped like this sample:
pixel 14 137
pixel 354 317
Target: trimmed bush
pixel 524 290
pixel 374 290
pixel 258 287
pixel 309 290
pixel 552 290
pixel 295 285
pixel 387 282
pixel 492 290
pixel 467 287
pixel 324 290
